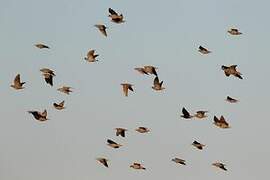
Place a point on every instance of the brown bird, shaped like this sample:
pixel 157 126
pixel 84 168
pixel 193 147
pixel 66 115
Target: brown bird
pixel 141 70
pixel 220 165
pixel 231 100
pixel 198 145
pixel 102 28
pixel 42 46
pixel 48 78
pixel 113 144
pixel 231 70
pixel 17 84
pixel 103 161
pixel 234 31
pixel 59 106
pixel 65 89
pixel 137 166
pixel 157 85
pixel 40 116
pixel 200 114
pixel 47 71
pixel 150 70
pixel 221 122
pixel 203 50
pixel 115 17
pixel 179 161
pixel 91 56
pixel 127 87
pixel 120 131
pixel 186 114
pixel 142 129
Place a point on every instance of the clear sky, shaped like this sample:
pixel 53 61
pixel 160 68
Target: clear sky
pixel 165 34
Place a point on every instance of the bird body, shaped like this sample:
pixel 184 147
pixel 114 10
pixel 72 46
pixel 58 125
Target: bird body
pixel 91 56
pixel 65 89
pixel 231 100
pixel 103 161
pixel 126 87
pixel 220 165
pixel 59 106
pixel 179 161
pixel 186 114
pixel 120 131
pixel 221 122
pixel 234 31
pixel 231 70
pixel 137 166
pixel 198 145
pixel 40 116
pixel 17 84
pixel 113 144
pixel 203 50
pixel 142 129
pixel 201 114
pixel 42 46
pixel 102 28
pixel 157 85
pixel 115 17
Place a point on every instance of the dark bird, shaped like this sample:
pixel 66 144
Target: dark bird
pixel 221 122
pixel 198 145
pixel 17 84
pixel 231 100
pixel 234 31
pixel 115 17
pixel 157 85
pixel 186 114
pixel 231 70
pixel 220 165
pixel 91 56
pixel 126 87
pixel 59 106
pixel 113 144
pixel 102 28
pixel 179 161
pixel 142 129
pixel 137 166
pixel 121 132
pixel 203 50
pixel 42 46
pixel 40 116
pixel 103 161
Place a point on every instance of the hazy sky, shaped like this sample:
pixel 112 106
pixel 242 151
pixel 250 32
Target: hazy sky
pixel 165 34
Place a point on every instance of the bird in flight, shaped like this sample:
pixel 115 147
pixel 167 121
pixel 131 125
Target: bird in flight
pixel 220 165
pixel 91 56
pixel 113 144
pixel 234 31
pixel 115 17
pixel 121 132
pixel 198 145
pixel 157 85
pixel 48 75
pixel 179 161
pixel 231 70
pixel 102 28
pixel 231 100
pixel 17 84
pixel 137 166
pixel 65 89
pixel 103 161
pixel 42 46
pixel 142 130
pixel 40 116
pixel 201 114
pixel 203 50
pixel 59 106
pixel 126 87
pixel 186 114
pixel 221 122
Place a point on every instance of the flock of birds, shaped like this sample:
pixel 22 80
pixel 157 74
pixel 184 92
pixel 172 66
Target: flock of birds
pixel 91 56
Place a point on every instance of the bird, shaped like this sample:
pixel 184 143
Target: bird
pixel 121 132
pixel 48 78
pixel 113 144
pixel 47 71
pixel 231 70
pixel 179 161
pixel 59 106
pixel 157 85
pixel 220 165
pixel 198 145
pixel 200 114
pixel 65 89
pixel 103 161
pixel 141 70
pixel 231 100
pixel 115 17
pixel 203 50
pixel 91 56
pixel 234 31
pixel 40 116
pixel 102 28
pixel 137 166
pixel 142 129
pixel 126 87
pixel 221 122
pixel 150 69
pixel 17 84
pixel 186 114
pixel 42 46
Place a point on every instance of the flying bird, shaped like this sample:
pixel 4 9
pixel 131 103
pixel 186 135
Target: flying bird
pixel 221 122
pixel 102 28
pixel 186 114
pixel 142 129
pixel 42 46
pixel 91 56
pixel 113 144
pixel 48 78
pixel 198 145
pixel 121 132
pixel 59 106
pixel 103 161
pixel 220 165
pixel 179 161
pixel 115 17
pixel 137 166
pixel 157 85
pixel 231 100
pixel 150 70
pixel 201 114
pixel 47 71
pixel 17 84
pixel 127 87
pixel 65 89
pixel 203 50
pixel 141 70
pixel 40 116
pixel 231 70
pixel 234 31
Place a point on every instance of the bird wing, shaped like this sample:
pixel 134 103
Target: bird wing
pixel 44 113
pixel 216 119
pixel 49 79
pixel 156 81
pixel 112 12
pixel 17 80
pixel 90 53
pixel 185 112
pixel 111 141
pixel 202 48
pixel 61 103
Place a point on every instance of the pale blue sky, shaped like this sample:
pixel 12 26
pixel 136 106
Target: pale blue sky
pixel 165 34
